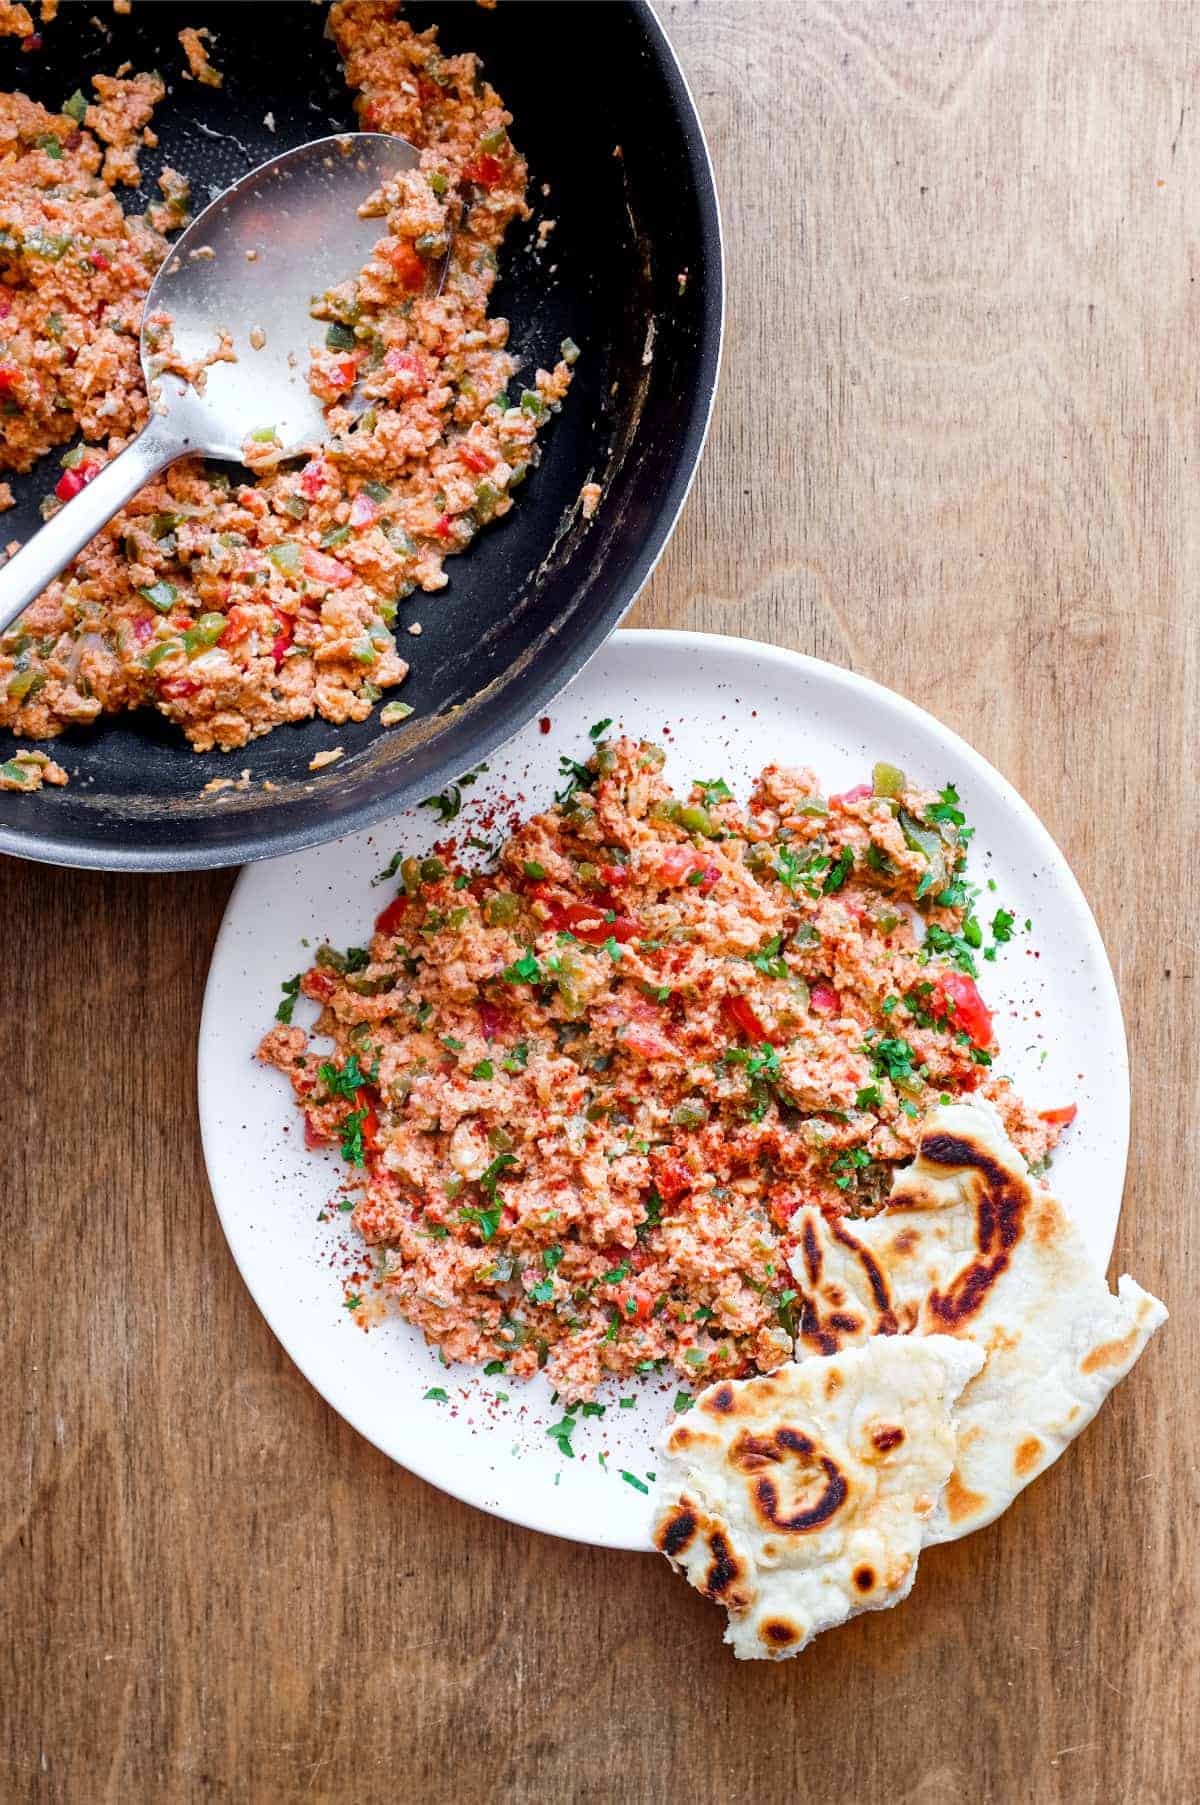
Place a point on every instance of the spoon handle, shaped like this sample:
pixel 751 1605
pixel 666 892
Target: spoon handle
pixel 41 558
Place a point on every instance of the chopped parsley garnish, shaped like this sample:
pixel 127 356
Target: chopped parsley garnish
pixel 1002 925
pixel 447 803
pixel 627 1403
pixel 483 1071
pixel 838 872
pixel 524 970
pixel 490 1176
pixel 869 1098
pixel 957 948
pixel 344 1083
pixel 617 1274
pixel 613 949
pixel 435 1395
pixel 518 1059
pixel 578 778
pixel 684 1400
pixel 560 1434
pixel 290 988
pixel 350 1132
pixel 486 1221
pixel 768 960
pixel 551 1257
pixel 352 1302
pixel 390 869
pixel 542 1292
pixel 713 789
pixel 634 1481
pixel 893 1059
pixel 599 727
pixel 495 1366
pixel 947 809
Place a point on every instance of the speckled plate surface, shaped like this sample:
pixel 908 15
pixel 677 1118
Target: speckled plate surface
pixel 718 704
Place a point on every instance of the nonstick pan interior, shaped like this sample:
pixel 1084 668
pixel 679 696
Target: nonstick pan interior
pixel 631 271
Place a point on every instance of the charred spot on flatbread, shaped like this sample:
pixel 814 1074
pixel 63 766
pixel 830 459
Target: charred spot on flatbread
pixel 810 1249
pixel 864 1578
pixel 817 1486
pixel 676 1531
pixel 777 1633
pixel 1002 1198
pixel 724 1571
pixel 721 1401
pixel 887 1436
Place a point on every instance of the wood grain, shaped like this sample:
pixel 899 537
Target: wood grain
pixel 955 448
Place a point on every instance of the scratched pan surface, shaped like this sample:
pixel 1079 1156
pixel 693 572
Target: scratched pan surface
pixel 533 598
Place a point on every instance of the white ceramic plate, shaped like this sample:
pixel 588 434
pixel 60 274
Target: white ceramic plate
pixel 722 707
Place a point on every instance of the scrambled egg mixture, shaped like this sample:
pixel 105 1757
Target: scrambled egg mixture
pixel 582 1095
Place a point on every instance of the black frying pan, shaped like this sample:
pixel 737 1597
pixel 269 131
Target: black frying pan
pixel 637 246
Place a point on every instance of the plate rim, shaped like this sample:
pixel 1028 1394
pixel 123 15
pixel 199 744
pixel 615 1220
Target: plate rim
pixel 734 647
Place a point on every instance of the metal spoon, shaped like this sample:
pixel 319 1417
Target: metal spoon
pixel 249 264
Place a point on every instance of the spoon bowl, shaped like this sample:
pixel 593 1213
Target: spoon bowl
pixel 247 269
pixel 238 285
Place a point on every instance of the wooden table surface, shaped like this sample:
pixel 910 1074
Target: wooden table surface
pixel 955 448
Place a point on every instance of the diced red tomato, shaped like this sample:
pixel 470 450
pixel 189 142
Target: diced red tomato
pixel 636 1303
pixel 473 458
pixel 341 372
pixel 98 260
pixel 365 1100
pixel 485 171
pixel 324 569
pixel 178 689
pixel 404 363
pixel 678 863
pixel 72 481
pixel 672 1179
pixel 318 984
pixel 859 793
pixel 615 877
pixel 1059 1118
pixel 142 628
pixel 586 921
pixel 283 638
pixel 743 1019
pixel 492 1021
pixel 10 376
pixel 442 529
pixel 363 510
pixel 390 920
pixel 647 1043
pixel 238 623
pixel 5 304
pixel 32 42
pixel 410 268
pixel 823 999
pixel 313 478
pixel 956 997
pixel 313 1137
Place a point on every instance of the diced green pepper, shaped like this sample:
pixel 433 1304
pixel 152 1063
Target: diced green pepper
pixel 493 141
pixel 285 555
pixel 392 712
pixel 23 684
pixel 501 910
pixel 919 838
pixel 570 351
pixel 75 107
pixel 888 780
pixel 339 338
pixel 203 633
pixel 162 595
pixel 696 819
